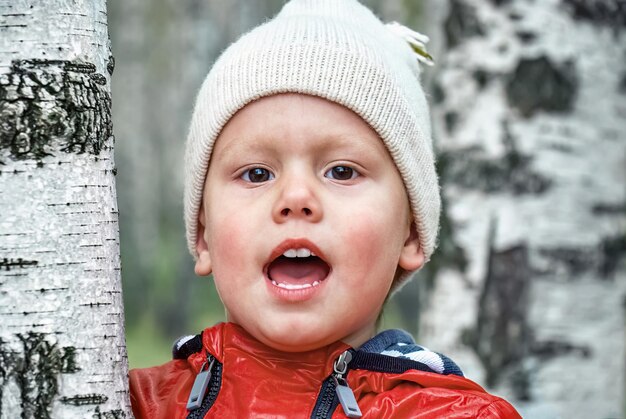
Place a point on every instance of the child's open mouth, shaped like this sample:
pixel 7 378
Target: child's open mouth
pixel 297 269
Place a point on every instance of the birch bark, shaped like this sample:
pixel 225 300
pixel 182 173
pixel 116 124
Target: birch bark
pixel 62 347
pixel 530 117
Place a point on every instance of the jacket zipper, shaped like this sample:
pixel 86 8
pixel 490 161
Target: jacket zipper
pixel 327 401
pixel 335 390
pixel 205 388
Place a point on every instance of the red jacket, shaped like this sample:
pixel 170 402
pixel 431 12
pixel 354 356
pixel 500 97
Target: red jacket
pixel 250 379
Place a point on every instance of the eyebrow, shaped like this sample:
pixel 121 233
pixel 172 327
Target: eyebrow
pixel 234 146
pixel 349 140
pixel 259 142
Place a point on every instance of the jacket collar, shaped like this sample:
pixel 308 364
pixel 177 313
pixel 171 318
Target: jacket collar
pixel 229 342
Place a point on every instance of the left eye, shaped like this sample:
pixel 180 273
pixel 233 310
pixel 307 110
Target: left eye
pixel 341 173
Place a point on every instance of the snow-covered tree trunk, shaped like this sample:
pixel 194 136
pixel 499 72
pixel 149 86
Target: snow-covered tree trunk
pixel 62 347
pixel 530 118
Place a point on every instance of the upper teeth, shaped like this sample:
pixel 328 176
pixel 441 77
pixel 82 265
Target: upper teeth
pixel 298 253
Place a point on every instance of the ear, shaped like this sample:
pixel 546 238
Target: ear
pixel 412 255
pixel 203 263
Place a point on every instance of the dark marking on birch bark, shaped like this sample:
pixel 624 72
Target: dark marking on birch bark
pixel 602 260
pixel 526 37
pixel 85 399
pixel 572 262
pixel 68 360
pixel 111 65
pixel 552 348
pixel 602 208
pixel 499 3
pixel 99 304
pixel 35 370
pixel 510 173
pixel 111 414
pixel 502 332
pixel 611 13
pixel 8 264
pixel 52 106
pixel 538 84
pixel 462 22
pixel 6 360
pixel 613 252
pixel 481 77
pixel 451 119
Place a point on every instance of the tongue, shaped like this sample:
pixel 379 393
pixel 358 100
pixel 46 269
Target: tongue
pixel 298 270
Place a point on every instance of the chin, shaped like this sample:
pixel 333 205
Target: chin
pixel 293 338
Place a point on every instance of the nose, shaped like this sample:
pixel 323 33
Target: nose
pixel 297 200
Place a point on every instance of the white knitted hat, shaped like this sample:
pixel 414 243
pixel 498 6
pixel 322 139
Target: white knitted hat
pixel 337 50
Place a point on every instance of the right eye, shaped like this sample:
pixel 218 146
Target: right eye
pixel 257 175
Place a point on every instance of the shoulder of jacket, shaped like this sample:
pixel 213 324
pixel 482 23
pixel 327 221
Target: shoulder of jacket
pixel 160 389
pixel 499 408
pixel 419 390
pixel 172 370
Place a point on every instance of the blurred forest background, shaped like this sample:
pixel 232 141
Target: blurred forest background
pixel 528 289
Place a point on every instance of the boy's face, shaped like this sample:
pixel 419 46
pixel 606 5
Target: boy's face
pixel 298 174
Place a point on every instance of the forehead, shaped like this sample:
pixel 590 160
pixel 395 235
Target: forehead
pixel 306 120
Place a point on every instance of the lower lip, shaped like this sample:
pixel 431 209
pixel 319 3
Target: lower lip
pixel 294 296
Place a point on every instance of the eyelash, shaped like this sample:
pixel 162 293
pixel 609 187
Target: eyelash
pixel 249 174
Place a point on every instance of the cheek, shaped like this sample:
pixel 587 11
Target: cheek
pixel 375 241
pixel 226 241
pixel 225 247
pixel 377 229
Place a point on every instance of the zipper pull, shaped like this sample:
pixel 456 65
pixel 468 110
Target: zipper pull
pixel 343 390
pixel 200 384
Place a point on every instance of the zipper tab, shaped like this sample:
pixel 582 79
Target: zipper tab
pixel 200 384
pixel 343 390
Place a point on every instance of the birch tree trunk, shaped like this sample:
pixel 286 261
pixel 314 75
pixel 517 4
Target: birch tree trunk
pixel 530 117
pixel 62 348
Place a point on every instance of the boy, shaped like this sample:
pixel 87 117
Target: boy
pixel 310 195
